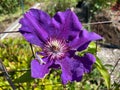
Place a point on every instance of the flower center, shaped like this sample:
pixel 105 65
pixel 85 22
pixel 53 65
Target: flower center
pixel 55 49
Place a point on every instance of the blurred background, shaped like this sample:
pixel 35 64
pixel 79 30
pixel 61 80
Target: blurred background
pixel 100 16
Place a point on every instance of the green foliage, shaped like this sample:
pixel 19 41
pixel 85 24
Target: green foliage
pixel 13 6
pixel 8 6
pixel 26 77
pixel 98 5
pixel 101 4
pixel 15 56
pixel 101 68
pixel 58 5
pixel 103 72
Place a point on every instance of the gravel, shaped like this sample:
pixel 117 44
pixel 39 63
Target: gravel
pixel 111 57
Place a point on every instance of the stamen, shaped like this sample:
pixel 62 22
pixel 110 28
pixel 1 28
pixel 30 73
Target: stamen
pixel 56 48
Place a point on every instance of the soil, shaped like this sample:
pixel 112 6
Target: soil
pixel 110 31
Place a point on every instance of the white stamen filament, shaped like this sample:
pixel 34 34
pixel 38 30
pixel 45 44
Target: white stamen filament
pixel 39 59
pixel 56 49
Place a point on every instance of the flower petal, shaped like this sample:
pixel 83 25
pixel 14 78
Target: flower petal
pixel 83 39
pixel 81 65
pixel 71 53
pixel 35 26
pixel 67 24
pixel 39 70
pixel 66 70
pixel 30 36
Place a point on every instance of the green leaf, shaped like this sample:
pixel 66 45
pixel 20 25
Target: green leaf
pixel 26 77
pixel 92 45
pixel 91 48
pixel 103 72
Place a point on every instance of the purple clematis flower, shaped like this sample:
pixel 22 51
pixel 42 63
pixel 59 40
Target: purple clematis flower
pixel 59 37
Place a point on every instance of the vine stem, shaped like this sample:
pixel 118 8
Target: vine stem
pixel 2 68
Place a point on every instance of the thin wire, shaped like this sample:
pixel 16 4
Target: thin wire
pixel 18 70
pixel 103 22
pixel 39 84
pixel 115 66
pixel 93 23
pixel 2 72
pixel 10 32
pixel 22 5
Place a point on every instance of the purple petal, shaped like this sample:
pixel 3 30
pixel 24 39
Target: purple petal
pixel 67 24
pixel 35 24
pixel 81 65
pixel 39 70
pixel 31 37
pixel 83 39
pixel 71 53
pixel 66 70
